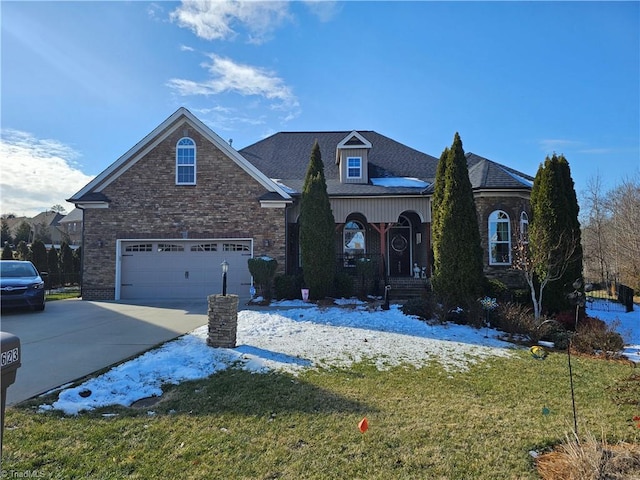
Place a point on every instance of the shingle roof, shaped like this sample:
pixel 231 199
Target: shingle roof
pixel 485 173
pixel 285 156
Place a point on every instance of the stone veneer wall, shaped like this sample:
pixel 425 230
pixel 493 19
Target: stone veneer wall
pixel 513 204
pixel 223 321
pixel 146 203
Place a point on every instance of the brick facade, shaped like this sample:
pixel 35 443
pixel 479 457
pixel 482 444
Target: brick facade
pixel 513 204
pixel 145 202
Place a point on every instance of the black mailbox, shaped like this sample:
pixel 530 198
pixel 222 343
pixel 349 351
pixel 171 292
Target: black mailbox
pixel 10 363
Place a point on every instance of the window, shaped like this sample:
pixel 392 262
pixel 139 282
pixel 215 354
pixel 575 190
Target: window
pixel 354 235
pixel 499 238
pixel 170 247
pixel 235 247
pixel 142 247
pixel 205 247
pixel 524 227
pixel 186 162
pixel 354 167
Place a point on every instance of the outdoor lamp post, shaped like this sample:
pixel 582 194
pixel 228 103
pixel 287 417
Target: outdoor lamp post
pixel 225 269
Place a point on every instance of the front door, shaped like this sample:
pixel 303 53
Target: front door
pixel 400 250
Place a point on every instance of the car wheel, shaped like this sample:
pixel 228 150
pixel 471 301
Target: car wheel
pixel 39 308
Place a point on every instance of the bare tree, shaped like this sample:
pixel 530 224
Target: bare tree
pixel 596 232
pixel 540 268
pixel 623 204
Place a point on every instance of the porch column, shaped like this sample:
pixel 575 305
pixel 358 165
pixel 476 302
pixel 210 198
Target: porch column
pixel 382 229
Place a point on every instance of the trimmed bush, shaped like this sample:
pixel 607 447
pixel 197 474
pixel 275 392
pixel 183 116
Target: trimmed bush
pixel 287 287
pixel 422 307
pixel 496 289
pixel 263 270
pixel 344 285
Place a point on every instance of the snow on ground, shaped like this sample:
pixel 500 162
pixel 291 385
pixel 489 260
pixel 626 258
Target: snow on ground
pixel 627 324
pixel 293 336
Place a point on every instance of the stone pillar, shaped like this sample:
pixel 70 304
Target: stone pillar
pixel 223 320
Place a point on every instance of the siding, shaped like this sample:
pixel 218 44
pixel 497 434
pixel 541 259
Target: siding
pixel 354 152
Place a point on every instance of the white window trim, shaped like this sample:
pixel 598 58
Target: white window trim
pixel 195 161
pixel 359 159
pixel 524 220
pixel 491 242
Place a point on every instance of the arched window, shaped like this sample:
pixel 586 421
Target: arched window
pixel 499 238
pixel 186 162
pixel 354 238
pixel 524 227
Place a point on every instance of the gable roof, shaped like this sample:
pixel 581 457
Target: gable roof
pixel 285 157
pixel 91 193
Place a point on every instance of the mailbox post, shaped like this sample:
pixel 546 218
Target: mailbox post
pixel 10 363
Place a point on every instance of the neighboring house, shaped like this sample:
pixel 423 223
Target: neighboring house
pixel 159 221
pixel 71 226
pixel 45 225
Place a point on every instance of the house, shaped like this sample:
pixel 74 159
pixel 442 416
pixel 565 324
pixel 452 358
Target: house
pixel 44 226
pixel 71 225
pixel 162 218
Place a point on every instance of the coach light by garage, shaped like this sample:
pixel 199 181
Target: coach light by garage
pixel 225 269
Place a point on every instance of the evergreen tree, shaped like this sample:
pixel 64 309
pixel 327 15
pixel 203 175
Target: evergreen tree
pixel 22 251
pixel 53 268
pixel 5 233
pixel 458 275
pixel 317 230
pixel 77 265
pixel 437 198
pixel 7 253
pixel 39 255
pixel 66 264
pixel 23 233
pixel 554 233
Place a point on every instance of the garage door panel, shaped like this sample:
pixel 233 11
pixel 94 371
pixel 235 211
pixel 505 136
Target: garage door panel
pixel 183 269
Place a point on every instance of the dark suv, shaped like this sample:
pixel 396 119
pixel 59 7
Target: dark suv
pixel 21 285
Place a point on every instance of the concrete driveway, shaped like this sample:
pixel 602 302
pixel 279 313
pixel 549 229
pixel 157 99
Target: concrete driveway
pixel 73 338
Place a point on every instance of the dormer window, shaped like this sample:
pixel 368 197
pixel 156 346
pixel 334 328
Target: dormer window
pixel 186 162
pixel 354 167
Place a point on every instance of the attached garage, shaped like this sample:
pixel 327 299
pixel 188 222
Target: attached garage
pixel 149 269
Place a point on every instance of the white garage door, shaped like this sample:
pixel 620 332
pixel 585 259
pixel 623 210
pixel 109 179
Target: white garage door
pixel 183 268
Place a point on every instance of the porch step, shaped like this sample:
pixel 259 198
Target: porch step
pixel 404 288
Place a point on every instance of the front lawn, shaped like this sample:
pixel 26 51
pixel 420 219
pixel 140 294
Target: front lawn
pixel 479 423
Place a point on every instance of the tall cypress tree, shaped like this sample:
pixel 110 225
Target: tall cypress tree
pixel 317 230
pixel 66 264
pixel 554 232
pixel 458 275
pixel 438 196
pixel 39 255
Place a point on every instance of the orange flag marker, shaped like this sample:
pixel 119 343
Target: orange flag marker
pixel 363 426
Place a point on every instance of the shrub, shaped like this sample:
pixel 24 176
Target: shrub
pixel 496 289
pixel 287 287
pixel 364 272
pixel 263 270
pixel 343 285
pixel 594 335
pixel 422 307
pixel 521 295
pixel 516 319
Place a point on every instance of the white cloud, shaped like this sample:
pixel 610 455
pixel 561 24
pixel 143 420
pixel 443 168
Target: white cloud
pixel 325 10
pixel 37 173
pixel 218 20
pixel 227 76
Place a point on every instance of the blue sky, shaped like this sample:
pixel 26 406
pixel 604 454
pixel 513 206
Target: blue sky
pixel 82 82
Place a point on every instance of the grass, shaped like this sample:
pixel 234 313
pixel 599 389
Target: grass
pixel 425 423
pixel 62 295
